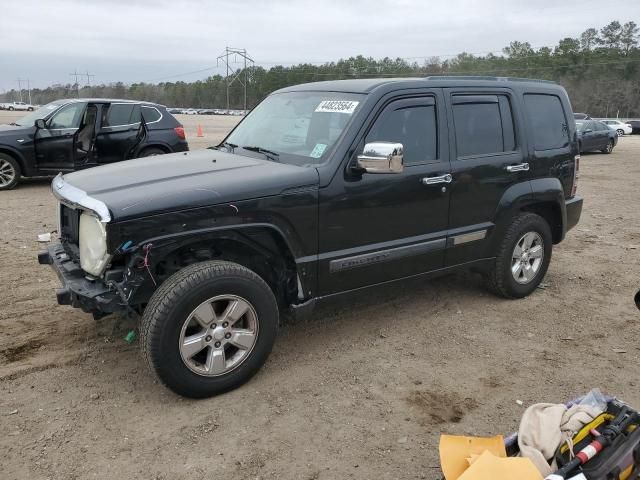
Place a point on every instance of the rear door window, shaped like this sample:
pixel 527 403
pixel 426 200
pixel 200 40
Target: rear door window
pixel 547 121
pixel 119 114
pixel 483 125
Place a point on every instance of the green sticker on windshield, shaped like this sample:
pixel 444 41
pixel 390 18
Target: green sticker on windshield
pixel 318 150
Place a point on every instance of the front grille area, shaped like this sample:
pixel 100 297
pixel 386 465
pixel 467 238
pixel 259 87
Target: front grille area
pixel 70 230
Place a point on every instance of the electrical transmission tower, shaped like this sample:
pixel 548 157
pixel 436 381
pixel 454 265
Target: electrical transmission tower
pixel 75 74
pixel 232 75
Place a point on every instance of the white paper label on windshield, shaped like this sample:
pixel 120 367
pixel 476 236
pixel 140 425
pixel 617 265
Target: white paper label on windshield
pixel 337 106
pixel 318 150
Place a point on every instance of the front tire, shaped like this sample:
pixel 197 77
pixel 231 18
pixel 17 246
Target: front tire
pixel 523 257
pixel 9 172
pixel 620 132
pixel 209 328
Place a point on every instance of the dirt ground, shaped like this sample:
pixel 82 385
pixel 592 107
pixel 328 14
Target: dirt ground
pixel 362 390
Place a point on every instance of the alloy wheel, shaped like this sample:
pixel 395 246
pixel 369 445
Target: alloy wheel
pixel 218 335
pixel 527 257
pixel 7 173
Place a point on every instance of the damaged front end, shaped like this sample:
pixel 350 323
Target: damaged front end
pixel 99 292
pixel 99 296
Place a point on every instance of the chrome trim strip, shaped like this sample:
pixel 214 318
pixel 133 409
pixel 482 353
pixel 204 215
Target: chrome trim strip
pixel 469 237
pixel 76 198
pixel 379 256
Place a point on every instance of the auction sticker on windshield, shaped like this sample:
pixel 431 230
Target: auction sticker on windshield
pixel 337 106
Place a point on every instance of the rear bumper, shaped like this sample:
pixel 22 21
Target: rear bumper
pixel 574 210
pixel 78 290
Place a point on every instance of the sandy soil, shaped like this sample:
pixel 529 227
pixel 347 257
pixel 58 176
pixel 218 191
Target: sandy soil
pixel 362 390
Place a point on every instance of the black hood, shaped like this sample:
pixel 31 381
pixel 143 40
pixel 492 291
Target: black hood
pixel 177 181
pixel 14 129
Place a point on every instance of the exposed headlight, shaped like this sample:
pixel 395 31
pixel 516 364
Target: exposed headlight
pixel 93 244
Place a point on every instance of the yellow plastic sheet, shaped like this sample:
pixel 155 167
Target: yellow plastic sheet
pixel 457 452
pixel 490 467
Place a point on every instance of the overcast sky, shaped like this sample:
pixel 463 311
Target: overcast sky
pixel 155 40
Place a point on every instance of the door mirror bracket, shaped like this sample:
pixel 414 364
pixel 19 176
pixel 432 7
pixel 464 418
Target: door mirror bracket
pixel 39 123
pixel 382 157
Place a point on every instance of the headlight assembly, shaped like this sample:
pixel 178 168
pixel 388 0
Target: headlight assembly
pixel 93 244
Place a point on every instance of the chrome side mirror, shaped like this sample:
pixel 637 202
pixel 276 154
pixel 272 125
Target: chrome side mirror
pixel 382 157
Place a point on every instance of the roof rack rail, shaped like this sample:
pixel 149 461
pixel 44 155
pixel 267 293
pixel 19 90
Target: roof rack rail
pixel 479 77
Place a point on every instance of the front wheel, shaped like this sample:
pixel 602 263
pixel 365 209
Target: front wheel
pixel 209 328
pixel 609 147
pixel 9 172
pixel 620 132
pixel 523 257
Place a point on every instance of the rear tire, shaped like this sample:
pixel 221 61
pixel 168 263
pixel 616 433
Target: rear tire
pixel 519 268
pixel 222 354
pixel 9 172
pixel 151 152
pixel 609 148
pixel 11 109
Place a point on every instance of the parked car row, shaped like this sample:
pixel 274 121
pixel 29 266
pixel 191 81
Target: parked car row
pixel 620 127
pixel 17 106
pixel 68 135
pixel 206 111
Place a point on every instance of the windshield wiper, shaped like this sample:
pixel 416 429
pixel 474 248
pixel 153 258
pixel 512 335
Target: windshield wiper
pixel 270 154
pixel 228 145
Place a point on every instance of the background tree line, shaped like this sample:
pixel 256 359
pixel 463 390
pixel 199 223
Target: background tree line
pixel 600 69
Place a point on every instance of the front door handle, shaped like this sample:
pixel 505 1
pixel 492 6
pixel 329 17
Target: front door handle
pixel 434 180
pixel 523 167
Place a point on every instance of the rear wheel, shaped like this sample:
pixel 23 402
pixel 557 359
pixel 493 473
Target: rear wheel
pixel 523 257
pixel 609 147
pixel 150 152
pixel 209 328
pixel 9 172
pixel 11 109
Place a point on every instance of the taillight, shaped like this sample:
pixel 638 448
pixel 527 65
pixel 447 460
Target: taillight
pixel 576 175
pixel 180 132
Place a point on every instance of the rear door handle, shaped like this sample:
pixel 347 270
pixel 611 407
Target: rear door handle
pixel 523 167
pixel 434 180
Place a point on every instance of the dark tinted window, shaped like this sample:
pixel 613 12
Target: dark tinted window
pixel 119 114
pixel 547 121
pixel 484 125
pixel 413 126
pixel 602 127
pixel 150 114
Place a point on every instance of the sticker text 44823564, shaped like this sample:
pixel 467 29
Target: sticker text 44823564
pixel 337 106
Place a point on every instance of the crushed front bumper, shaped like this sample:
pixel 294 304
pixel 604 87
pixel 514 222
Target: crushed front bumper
pixel 78 289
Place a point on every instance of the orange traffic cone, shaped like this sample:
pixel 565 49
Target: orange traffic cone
pixel 200 134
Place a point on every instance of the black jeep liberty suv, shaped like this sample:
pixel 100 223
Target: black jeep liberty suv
pixel 323 189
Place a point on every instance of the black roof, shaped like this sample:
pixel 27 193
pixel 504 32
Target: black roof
pixel 366 85
pixel 104 100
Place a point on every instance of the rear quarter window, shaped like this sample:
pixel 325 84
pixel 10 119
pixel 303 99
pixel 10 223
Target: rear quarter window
pixel 547 120
pixel 150 114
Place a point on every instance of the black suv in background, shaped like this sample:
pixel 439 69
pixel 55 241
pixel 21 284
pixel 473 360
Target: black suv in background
pixel 68 135
pixel 323 189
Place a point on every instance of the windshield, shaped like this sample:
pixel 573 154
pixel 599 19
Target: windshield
pixel 580 126
pixel 42 112
pixel 298 128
